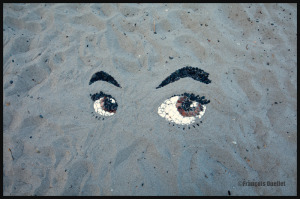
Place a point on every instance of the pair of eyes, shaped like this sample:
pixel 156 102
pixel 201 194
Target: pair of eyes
pixel 181 109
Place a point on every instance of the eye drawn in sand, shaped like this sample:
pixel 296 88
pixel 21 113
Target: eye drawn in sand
pixel 186 108
pixel 104 104
pixel 183 109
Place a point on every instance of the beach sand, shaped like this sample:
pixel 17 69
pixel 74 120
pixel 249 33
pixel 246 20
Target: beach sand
pixel 53 144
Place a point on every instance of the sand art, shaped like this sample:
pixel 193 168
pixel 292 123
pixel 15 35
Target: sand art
pixel 149 99
pixel 188 71
pixel 184 110
pixel 103 76
pixel 104 104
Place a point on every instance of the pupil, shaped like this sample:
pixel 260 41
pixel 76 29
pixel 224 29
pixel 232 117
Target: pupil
pixel 109 105
pixel 186 105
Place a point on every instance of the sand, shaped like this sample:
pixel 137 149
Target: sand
pixel 54 145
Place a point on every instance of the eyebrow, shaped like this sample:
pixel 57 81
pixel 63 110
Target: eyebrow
pixel 188 71
pixel 103 76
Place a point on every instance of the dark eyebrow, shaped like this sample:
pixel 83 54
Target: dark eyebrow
pixel 103 76
pixel 188 71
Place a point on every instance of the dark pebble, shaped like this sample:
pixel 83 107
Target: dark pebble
pixel 170 57
pixel 142 184
pixel 32 79
pixel 11 82
pixel 276 103
pixel 229 192
pixel 87 45
pixel 155 33
pixel 268 63
pixel 13 60
pixel 30 137
pixel 41 116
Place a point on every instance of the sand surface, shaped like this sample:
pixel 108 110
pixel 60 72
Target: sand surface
pixel 54 145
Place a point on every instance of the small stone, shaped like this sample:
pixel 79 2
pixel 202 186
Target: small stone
pixel 41 116
pixel 11 82
pixel 170 57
